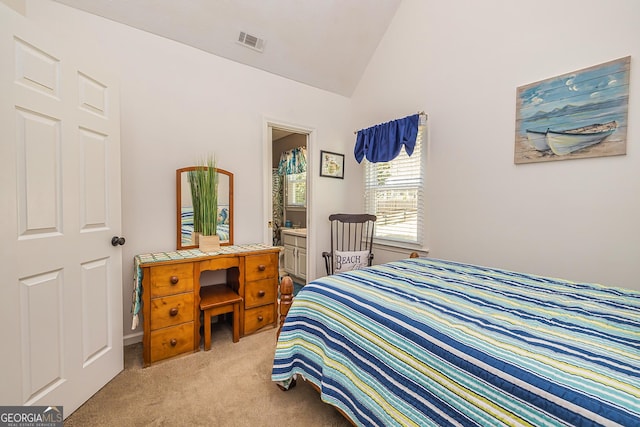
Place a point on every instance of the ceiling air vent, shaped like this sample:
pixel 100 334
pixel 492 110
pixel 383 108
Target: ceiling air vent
pixel 252 42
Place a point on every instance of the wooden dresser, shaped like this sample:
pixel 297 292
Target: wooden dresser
pixel 168 288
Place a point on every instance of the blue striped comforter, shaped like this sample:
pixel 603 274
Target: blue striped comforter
pixel 431 342
pixel 222 228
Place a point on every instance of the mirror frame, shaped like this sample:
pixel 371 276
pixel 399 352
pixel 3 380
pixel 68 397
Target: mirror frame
pixel 179 172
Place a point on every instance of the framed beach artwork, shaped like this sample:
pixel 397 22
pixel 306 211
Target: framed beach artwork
pixel 331 164
pixel 576 115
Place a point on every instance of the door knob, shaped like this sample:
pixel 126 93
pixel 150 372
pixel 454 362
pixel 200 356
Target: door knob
pixel 115 241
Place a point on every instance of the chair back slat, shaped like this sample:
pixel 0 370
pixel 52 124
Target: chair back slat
pixel 350 232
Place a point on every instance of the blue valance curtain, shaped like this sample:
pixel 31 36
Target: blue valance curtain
pixel 293 161
pixel 383 142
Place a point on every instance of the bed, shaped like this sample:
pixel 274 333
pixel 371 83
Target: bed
pixel 433 342
pixel 222 228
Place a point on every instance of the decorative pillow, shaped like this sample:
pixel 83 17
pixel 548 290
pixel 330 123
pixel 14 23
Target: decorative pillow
pixel 347 261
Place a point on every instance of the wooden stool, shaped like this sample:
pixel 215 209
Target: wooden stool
pixel 215 300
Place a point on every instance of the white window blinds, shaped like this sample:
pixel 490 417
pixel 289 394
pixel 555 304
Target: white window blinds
pixel 394 192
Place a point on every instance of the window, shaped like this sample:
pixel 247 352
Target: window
pixel 394 192
pixel 296 190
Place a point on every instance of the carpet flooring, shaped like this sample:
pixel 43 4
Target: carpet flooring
pixel 230 385
pixel 296 288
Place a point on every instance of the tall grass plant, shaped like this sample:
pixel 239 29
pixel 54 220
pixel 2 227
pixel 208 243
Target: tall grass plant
pixel 204 194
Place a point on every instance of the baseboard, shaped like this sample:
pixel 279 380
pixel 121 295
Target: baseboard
pixel 132 338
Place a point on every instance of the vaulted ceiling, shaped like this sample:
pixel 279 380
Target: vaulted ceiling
pixel 323 43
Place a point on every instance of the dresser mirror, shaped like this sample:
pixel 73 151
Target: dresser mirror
pixel 184 208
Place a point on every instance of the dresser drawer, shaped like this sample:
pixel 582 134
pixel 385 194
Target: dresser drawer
pixel 259 317
pixel 260 292
pixel 171 279
pixel 171 310
pixel 259 267
pixel 168 342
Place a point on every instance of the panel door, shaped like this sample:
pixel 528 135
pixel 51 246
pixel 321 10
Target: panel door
pixel 61 321
pixel 301 263
pixel 290 259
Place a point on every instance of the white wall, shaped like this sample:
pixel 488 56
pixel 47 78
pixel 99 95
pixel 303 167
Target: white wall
pixel 461 62
pixel 177 105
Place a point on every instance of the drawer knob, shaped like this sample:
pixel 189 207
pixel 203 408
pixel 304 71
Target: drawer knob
pixel 173 342
pixel 260 318
pixel 262 267
pixel 261 293
pixel 174 280
pixel 173 311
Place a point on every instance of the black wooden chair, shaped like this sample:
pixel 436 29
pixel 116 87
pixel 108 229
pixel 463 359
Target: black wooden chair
pixel 351 242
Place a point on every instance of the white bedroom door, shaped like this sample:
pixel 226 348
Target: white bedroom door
pixel 61 293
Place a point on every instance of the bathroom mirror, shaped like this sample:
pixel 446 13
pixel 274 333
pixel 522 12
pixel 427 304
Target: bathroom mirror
pixel 184 208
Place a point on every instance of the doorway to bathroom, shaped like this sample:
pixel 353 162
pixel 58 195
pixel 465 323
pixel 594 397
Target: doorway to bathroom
pixel 289 182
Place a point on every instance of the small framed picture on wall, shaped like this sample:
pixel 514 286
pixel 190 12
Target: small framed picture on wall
pixel 331 164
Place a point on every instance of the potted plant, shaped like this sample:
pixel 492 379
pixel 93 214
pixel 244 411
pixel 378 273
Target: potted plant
pixel 204 194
